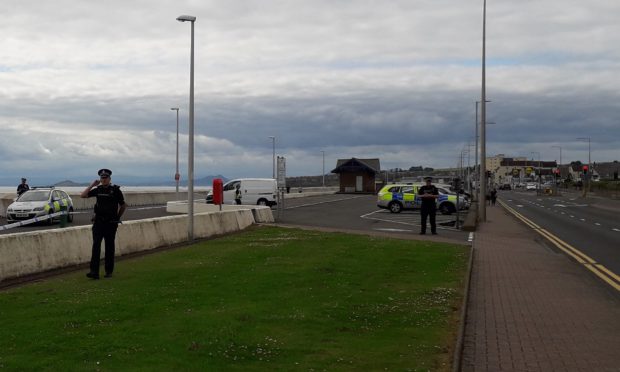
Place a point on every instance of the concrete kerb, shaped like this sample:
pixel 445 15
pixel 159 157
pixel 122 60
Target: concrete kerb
pixel 458 349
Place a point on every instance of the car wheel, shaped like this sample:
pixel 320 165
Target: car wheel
pixel 70 215
pixel 447 208
pixel 262 202
pixel 395 207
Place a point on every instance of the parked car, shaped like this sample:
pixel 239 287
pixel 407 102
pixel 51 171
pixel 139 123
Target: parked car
pixel 397 197
pixel 531 186
pixel 254 191
pixel 505 186
pixel 38 202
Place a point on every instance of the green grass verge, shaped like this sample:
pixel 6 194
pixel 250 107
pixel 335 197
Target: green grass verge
pixel 264 299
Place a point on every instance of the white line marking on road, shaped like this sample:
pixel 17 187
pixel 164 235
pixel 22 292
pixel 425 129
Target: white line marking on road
pixel 323 202
pixel 571 216
pixel 562 212
pixel 519 205
pixel 470 238
pixel 144 208
pixel 582 219
pixel 616 230
pixel 597 224
pixel 393 230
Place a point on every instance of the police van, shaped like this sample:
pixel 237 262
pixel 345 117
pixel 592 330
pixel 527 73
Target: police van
pixel 254 191
pixel 397 197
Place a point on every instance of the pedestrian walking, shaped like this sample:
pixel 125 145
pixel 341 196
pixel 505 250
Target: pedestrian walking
pixel 493 196
pixel 238 194
pixel 22 187
pixel 109 209
pixel 428 194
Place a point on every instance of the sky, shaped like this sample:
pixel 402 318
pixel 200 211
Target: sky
pixel 87 85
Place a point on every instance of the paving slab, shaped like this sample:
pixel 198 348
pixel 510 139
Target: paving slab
pixel 531 308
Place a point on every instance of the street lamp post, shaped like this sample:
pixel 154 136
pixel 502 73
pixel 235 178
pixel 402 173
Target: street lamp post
pixel 190 163
pixel 559 167
pixel 483 119
pixel 177 176
pixel 273 141
pixel 323 152
pixel 589 175
pixel 476 167
pixel 539 170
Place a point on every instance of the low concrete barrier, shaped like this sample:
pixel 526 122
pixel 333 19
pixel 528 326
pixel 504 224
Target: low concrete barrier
pixel 471 219
pixel 33 252
pixel 261 214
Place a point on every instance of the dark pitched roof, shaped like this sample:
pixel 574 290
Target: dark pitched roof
pixel 357 165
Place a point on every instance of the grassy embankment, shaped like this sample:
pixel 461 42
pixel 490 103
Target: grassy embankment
pixel 264 299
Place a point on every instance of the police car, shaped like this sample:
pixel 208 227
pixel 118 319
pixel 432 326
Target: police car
pixel 397 197
pixel 38 202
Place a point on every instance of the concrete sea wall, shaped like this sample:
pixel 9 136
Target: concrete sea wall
pixel 34 252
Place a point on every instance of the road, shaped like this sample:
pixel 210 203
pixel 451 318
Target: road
pixel 337 211
pixel 360 212
pixel 591 225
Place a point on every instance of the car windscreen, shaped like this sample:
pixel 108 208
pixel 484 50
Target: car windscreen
pixel 34 195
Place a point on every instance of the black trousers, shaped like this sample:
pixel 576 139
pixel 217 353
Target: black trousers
pixel 103 231
pixel 425 212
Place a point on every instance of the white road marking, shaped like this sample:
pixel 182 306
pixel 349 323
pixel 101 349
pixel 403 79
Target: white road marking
pixel 322 202
pixel 519 205
pixel 393 230
pixel 571 216
pixel 597 224
pixel 616 230
pixel 470 238
pixel 582 219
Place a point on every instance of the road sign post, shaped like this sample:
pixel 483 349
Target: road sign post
pixel 281 182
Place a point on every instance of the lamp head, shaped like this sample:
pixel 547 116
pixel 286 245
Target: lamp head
pixel 184 18
pixel 174 108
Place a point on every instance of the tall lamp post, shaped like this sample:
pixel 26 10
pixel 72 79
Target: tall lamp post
pixel 559 165
pixel 273 141
pixel 323 152
pixel 589 175
pixel 483 119
pixel 477 169
pixel 190 162
pixel 177 176
pixel 539 170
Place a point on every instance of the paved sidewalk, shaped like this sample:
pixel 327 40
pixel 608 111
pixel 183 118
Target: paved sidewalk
pixel 533 309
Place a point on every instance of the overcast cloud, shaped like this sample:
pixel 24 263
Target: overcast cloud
pixel 85 85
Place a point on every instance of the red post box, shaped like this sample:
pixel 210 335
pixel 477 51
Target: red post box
pixel 218 191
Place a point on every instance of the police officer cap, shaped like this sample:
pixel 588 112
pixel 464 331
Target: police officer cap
pixel 104 172
pixel 428 178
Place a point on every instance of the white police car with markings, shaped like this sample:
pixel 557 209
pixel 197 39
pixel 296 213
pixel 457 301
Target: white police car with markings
pixel 397 197
pixel 39 202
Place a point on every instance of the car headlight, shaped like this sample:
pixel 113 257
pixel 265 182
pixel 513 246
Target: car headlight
pixel 9 210
pixel 37 209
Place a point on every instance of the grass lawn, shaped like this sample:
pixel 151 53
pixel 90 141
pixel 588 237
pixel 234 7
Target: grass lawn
pixel 265 299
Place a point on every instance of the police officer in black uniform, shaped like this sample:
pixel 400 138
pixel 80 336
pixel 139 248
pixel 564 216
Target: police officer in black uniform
pixel 109 208
pixel 428 194
pixel 22 187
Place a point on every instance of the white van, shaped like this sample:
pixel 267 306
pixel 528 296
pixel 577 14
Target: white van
pixel 254 191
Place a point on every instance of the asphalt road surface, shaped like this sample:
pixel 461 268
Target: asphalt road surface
pixel 589 224
pixel 360 212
